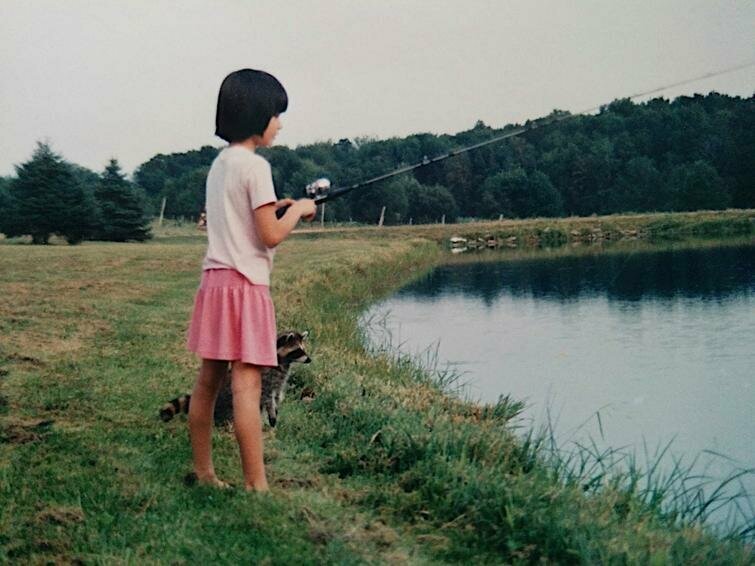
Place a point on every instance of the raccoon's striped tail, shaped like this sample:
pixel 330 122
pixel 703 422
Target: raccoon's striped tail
pixel 174 407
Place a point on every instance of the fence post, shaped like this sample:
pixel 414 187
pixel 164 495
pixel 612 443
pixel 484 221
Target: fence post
pixel 162 211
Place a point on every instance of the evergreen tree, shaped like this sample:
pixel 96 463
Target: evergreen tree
pixel 47 199
pixel 7 213
pixel 122 207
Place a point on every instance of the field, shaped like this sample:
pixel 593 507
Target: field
pixel 380 467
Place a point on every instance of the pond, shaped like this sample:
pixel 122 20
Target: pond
pixel 631 348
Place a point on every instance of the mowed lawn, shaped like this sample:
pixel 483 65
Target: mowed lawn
pixel 91 345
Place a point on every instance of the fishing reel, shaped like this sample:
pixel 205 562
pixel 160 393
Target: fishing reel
pixel 318 190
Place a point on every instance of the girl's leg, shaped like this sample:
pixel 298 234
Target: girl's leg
pixel 246 382
pixel 201 411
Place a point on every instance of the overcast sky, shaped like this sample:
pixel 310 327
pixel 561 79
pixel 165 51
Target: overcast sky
pixel 102 79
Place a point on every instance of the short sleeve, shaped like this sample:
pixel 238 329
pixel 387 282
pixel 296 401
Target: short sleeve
pixel 261 189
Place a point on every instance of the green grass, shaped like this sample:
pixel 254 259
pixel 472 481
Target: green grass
pixel 381 467
pixel 555 232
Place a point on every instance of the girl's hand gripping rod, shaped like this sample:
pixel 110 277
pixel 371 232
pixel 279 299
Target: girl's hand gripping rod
pixel 316 190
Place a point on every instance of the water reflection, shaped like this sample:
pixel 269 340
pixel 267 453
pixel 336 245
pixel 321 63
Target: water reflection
pixel 709 274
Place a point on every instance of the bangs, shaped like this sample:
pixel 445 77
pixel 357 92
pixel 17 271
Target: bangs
pixel 280 104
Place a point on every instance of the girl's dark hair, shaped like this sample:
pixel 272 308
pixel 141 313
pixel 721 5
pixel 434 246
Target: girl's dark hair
pixel 246 102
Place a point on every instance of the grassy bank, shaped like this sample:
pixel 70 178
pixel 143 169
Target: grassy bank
pixel 554 232
pixel 379 467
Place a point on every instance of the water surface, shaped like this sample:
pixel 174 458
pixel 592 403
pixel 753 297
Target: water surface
pixel 659 343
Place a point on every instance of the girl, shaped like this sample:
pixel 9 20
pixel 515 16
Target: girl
pixel 234 318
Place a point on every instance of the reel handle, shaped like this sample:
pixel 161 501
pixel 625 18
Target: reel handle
pixel 281 211
pixel 316 190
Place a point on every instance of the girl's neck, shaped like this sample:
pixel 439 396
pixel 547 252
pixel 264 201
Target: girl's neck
pixel 247 143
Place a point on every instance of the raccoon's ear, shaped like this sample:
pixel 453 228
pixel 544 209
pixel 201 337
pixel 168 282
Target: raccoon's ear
pixel 304 334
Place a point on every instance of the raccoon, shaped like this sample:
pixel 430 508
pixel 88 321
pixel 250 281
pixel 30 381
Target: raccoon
pixel 290 347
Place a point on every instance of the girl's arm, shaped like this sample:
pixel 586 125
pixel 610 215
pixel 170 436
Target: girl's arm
pixel 271 230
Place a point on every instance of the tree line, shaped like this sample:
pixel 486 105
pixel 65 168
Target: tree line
pixel 691 153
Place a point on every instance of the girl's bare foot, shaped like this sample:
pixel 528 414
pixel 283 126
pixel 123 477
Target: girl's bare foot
pixel 212 481
pixel 258 488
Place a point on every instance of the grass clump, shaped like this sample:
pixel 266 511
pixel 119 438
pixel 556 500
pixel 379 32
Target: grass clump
pixel 672 227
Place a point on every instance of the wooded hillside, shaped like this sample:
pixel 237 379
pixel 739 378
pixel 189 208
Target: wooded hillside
pixel 688 154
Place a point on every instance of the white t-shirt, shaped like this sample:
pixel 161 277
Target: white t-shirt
pixel 238 182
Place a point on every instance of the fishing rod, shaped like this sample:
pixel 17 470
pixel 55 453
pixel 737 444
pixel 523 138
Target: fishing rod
pixel 320 190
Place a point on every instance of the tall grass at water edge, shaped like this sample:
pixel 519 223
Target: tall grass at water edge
pixel 679 497
pixel 462 476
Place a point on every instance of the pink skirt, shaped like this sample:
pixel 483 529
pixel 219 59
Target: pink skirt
pixel 233 319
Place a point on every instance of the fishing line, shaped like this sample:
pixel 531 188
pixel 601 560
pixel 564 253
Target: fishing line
pixel 320 190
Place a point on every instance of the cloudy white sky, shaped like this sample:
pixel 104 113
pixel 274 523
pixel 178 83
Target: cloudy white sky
pixel 106 78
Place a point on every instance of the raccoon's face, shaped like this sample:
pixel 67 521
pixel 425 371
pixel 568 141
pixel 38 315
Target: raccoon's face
pixel 291 348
